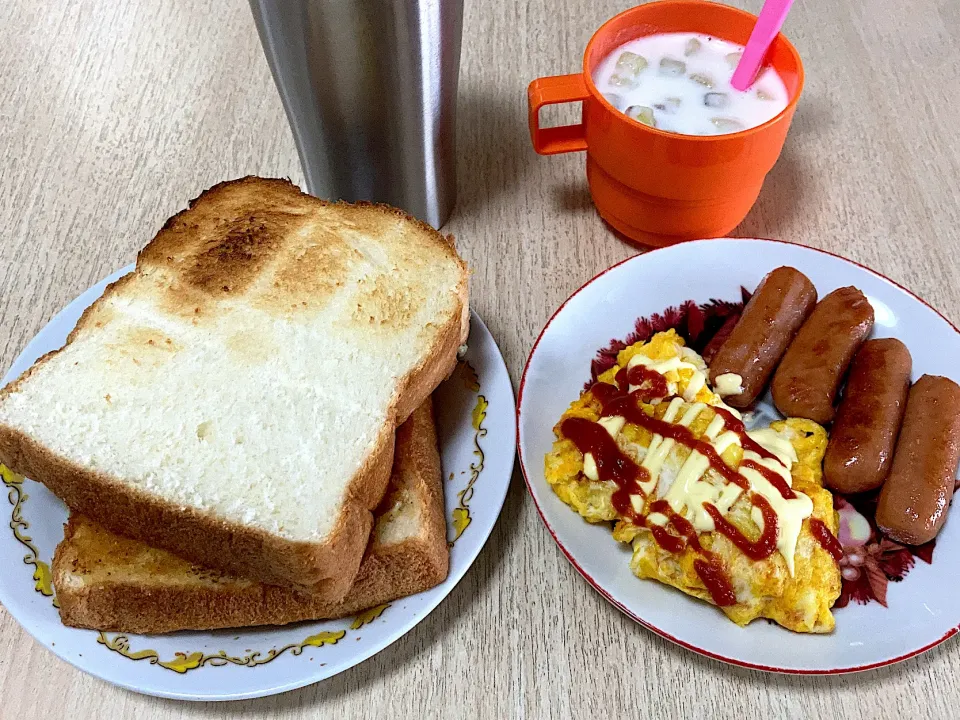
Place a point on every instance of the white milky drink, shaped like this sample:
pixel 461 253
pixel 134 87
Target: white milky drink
pixel 680 82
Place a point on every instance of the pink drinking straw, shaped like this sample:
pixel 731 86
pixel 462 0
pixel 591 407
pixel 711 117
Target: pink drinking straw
pixel 769 22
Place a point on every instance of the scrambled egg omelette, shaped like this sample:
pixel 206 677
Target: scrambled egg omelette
pixel 794 584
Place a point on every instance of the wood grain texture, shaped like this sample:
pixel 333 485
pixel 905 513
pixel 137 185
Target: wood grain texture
pixel 112 115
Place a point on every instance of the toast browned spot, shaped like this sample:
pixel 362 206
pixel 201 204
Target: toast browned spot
pixel 235 399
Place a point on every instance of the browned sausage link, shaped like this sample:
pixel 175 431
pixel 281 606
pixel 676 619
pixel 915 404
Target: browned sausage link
pixel 868 420
pixel 776 311
pixel 914 500
pixel 806 383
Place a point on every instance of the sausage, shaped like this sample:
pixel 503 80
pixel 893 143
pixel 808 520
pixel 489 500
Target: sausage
pixel 806 383
pixel 781 303
pixel 868 420
pixel 914 500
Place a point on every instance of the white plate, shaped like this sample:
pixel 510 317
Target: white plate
pixel 475 418
pixel 922 609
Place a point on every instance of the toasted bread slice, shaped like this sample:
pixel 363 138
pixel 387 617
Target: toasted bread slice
pixel 235 399
pixel 107 582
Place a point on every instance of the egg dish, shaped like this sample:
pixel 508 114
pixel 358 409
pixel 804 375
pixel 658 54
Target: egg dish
pixel 734 517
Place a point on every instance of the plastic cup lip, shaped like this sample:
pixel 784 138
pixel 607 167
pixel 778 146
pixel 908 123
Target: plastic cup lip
pixel 741 134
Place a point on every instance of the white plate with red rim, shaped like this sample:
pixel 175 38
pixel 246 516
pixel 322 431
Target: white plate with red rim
pixel 921 611
pixel 475 422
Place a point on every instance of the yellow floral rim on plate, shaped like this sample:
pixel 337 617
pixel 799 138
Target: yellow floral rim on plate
pixel 461 513
pixel 183 662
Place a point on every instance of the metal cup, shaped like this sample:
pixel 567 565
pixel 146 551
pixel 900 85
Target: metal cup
pixel 370 90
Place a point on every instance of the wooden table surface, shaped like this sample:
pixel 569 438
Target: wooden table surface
pixel 114 114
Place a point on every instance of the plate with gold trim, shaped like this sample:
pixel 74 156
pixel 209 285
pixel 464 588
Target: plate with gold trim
pixel 475 422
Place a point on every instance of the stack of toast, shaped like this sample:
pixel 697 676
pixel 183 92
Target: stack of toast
pixel 242 427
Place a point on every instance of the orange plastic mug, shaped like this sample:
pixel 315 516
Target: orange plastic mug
pixel 657 187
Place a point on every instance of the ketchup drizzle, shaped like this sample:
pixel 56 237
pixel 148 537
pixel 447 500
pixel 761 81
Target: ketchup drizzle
pixel 686 533
pixel 605 392
pixel 826 538
pixel 670 543
pixel 734 424
pixel 765 544
pixel 626 407
pixel 772 477
pixel 614 465
pixel 715 580
pixel 652 385
pixel 708 567
pixel 623 385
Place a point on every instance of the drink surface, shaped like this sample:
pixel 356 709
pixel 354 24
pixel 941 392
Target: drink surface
pixel 680 82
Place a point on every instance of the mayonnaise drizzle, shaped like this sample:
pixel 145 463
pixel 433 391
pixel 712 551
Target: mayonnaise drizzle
pixel 613 425
pixel 696 382
pixel 689 489
pixel 688 492
pixel 659 449
pixel 790 512
pixel 775 444
pixel 590 467
pixel 658 519
pixel 728 384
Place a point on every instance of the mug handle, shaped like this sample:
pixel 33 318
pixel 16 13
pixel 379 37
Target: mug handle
pixel 552 91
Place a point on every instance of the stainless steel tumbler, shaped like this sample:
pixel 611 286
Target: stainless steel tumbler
pixel 370 90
